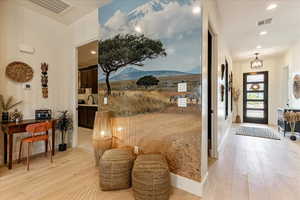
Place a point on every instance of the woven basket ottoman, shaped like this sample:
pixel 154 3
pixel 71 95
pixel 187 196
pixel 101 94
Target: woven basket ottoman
pixel 115 169
pixel 151 178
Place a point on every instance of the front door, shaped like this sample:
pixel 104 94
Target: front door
pixel 255 97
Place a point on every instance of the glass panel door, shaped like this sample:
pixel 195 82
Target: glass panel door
pixel 255 97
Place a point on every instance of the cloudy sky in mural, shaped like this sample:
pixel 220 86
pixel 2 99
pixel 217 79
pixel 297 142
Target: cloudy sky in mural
pixel 171 21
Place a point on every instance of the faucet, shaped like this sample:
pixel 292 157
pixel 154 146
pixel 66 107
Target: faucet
pixel 93 102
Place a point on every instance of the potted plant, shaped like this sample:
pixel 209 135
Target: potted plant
pixel 236 95
pixel 6 106
pixel 16 116
pixel 64 124
pixel 292 118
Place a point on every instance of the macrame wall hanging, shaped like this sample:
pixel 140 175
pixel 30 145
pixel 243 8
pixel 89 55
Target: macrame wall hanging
pixel 44 68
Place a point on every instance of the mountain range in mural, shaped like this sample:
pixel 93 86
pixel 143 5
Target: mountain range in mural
pixel 131 73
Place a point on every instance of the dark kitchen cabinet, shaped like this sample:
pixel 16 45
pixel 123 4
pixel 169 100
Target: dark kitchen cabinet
pixel 84 79
pixel 86 116
pixel 89 78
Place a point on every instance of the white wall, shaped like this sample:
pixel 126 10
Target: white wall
pixel 85 29
pixel 274 66
pixel 222 126
pixel 292 60
pixel 52 42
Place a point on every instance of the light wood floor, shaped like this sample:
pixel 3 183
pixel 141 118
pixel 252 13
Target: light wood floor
pixel 72 176
pixel 252 168
pixel 248 169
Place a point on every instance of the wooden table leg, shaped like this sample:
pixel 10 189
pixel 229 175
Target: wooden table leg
pixel 53 138
pixel 10 158
pixel 46 145
pixel 5 148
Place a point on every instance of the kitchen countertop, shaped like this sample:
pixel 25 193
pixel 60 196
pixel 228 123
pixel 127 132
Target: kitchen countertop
pixel 88 105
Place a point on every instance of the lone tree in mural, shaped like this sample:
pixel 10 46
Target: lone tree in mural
pixel 147 81
pixel 125 50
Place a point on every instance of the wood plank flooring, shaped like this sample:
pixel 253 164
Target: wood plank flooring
pixel 72 176
pixel 252 168
pixel 249 168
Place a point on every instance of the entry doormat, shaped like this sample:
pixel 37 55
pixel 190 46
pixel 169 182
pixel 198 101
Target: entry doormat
pixel 257 131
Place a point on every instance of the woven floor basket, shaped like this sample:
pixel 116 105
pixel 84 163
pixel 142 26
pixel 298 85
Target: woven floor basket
pixel 151 178
pixel 115 169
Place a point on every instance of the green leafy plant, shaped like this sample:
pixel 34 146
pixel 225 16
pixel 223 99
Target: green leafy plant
pixel 125 50
pixel 64 124
pixel 16 116
pixel 7 105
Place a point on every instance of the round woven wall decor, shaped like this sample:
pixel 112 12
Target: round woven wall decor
pixel 19 72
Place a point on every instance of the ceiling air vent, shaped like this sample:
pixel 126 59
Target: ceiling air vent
pixel 264 22
pixel 56 6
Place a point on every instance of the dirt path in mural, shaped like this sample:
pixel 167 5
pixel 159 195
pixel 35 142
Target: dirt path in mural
pixel 177 136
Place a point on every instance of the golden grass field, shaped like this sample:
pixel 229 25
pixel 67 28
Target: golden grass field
pixel 135 102
pixel 177 136
pixel 150 119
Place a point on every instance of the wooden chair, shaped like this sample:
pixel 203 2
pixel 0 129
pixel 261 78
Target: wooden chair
pixel 38 132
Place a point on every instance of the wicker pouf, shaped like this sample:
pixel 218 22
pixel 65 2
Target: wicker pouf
pixel 115 169
pixel 151 178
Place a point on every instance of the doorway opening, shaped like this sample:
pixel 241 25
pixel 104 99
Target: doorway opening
pixel 209 93
pixel 285 87
pixel 226 89
pixel 255 97
pixel 87 92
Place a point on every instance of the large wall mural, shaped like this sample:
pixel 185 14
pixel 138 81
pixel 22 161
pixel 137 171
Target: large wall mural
pixel 148 47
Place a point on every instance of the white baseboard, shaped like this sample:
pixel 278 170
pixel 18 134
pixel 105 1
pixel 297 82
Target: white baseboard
pixel 188 185
pixel 224 138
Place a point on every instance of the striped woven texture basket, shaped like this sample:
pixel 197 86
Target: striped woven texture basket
pixel 115 169
pixel 151 178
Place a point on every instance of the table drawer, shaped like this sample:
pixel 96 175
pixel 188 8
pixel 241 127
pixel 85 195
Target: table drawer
pixel 18 129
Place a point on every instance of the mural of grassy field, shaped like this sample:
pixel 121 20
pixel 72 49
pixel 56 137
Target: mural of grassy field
pixel 141 83
pixel 128 99
pixel 150 119
pixel 175 135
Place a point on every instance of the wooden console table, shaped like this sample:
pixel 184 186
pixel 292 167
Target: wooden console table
pixel 9 129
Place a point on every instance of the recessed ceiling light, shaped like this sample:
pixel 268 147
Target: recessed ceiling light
pixel 258 47
pixel 272 6
pixel 138 29
pixel 196 10
pixel 93 52
pixel 263 33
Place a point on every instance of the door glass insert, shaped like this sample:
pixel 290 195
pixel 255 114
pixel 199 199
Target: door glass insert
pixel 255 78
pixel 255 104
pixel 255 113
pixel 255 87
pixel 255 96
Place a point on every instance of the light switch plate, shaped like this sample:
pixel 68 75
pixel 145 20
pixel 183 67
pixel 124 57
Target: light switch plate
pixel 182 102
pixel 136 149
pixel 182 87
pixel 105 100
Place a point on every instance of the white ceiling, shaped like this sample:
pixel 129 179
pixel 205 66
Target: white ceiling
pixel 78 9
pixel 239 19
